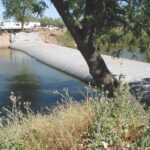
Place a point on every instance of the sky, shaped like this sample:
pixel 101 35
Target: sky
pixel 50 12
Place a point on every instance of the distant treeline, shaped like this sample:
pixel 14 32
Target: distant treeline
pixel 48 21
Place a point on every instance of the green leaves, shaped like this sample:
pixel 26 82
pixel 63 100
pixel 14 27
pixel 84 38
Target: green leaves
pixel 39 7
pixel 21 9
pixel 122 22
pixel 120 123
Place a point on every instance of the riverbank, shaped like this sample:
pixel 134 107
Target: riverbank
pixel 4 40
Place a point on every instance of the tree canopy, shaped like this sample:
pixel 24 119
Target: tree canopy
pixel 105 16
pixel 21 9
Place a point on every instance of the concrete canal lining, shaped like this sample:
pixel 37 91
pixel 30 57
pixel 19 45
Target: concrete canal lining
pixel 71 61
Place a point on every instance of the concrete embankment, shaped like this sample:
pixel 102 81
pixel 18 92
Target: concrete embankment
pixel 71 61
pixel 4 40
pixel 64 59
pixel 61 58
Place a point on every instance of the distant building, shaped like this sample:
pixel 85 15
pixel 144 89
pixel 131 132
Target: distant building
pixel 12 25
pixel 51 27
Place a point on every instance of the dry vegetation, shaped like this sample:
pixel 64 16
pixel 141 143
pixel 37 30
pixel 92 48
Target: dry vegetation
pixel 50 36
pixel 58 37
pixel 59 130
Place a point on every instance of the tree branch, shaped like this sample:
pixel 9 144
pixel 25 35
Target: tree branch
pixel 63 9
pixel 89 27
pixel 88 15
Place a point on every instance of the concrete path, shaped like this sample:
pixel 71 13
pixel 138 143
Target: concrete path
pixel 71 61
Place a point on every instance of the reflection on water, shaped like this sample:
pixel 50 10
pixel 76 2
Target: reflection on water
pixel 32 80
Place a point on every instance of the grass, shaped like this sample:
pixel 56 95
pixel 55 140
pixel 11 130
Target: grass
pixel 148 56
pixel 67 40
pixel 93 124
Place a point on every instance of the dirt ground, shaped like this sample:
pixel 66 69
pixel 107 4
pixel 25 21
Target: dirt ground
pixel 49 36
pixel 4 40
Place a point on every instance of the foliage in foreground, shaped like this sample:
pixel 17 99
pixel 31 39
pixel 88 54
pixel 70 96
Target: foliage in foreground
pixel 119 124
pixel 93 124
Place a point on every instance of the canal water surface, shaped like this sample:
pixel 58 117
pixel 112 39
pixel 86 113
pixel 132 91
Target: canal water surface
pixel 34 81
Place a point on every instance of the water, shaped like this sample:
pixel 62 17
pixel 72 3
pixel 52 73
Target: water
pixel 34 81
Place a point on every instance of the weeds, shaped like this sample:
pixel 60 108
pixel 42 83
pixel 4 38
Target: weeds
pixel 97 123
pixel 59 130
pixel 119 124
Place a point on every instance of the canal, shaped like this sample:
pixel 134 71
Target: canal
pixel 34 81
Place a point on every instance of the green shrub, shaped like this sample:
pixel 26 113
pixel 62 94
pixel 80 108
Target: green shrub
pixel 147 56
pixel 120 123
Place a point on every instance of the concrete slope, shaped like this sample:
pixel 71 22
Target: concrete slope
pixel 71 61
pixel 62 58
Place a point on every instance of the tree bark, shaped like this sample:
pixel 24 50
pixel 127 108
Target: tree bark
pixel 99 71
pixel 22 25
pixel 23 19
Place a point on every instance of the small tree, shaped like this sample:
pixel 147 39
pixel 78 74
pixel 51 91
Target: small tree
pixel 21 9
pixel 87 19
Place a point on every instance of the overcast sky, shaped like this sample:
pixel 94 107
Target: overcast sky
pixel 50 12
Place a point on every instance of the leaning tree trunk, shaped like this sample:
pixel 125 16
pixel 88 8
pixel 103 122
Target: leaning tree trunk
pixel 22 25
pixel 84 38
pixel 98 69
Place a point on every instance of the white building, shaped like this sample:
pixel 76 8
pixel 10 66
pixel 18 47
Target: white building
pixel 8 25
pixel 50 27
